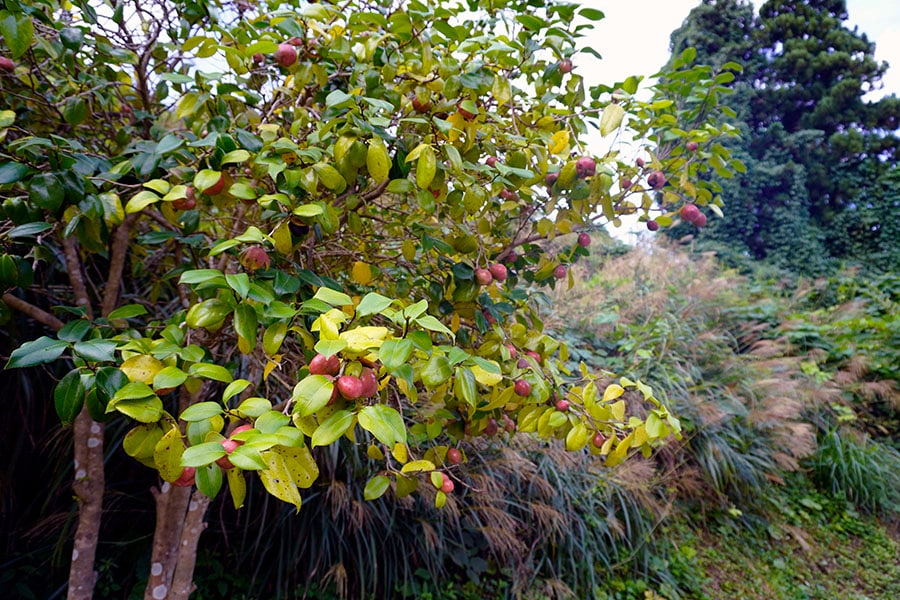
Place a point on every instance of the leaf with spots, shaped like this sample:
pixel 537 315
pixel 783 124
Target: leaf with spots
pixel 167 455
pixel 277 478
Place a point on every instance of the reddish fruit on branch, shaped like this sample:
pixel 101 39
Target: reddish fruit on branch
pixel 491 161
pixel 483 276
pixel 652 225
pixel 447 486
pixel 324 365
pixel 523 363
pixel 258 58
pixel 692 146
pixel 286 55
pixel 639 162
pixel 491 428
pixel 499 272
pixel 229 446
pixel 565 65
pixel 512 350
pixel 369 383
pixel 188 202
pixel 508 195
pixel 585 167
pixel 625 184
pixel 534 355
pixel 254 258
pixel 598 440
pixel 421 106
pixel 512 257
pixel 454 456
pixel 350 387
pixel 562 405
pixel 690 212
pixel 466 114
pixel 560 272
pixel 550 178
pixel 187 477
pixel 7 65
pixel 656 180
pixel 522 388
pixel 584 239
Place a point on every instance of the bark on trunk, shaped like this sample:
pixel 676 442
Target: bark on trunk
pixel 88 487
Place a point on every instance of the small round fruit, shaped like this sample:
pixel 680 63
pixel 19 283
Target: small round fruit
pixel 523 363
pixel 692 146
pixel 350 387
pixel 258 58
pixel 550 178
pixel 491 161
pixel 295 41
pixel 560 272
pixel 483 276
pixel 598 440
pixel 508 195
pixel 255 258
pixel 454 456
pixel 585 167
pixel 512 351
pixel 652 225
pixel 186 479
pixel 186 203
pixel 700 221
pixel 562 405
pixel 522 388
pixel 217 188
pixel 491 319
pixel 625 184
pixel 369 383
pixel 565 65
pixel 324 365
pixel 240 429
pixel 420 106
pixel 7 65
pixel 656 180
pixel 286 55
pixel 466 114
pixel 499 272
pixel 508 424
pixel 447 486
pixel 534 355
pixel 584 239
pixel 512 257
pixel 229 445
pixel 690 213
pixel 639 162
pixel 491 428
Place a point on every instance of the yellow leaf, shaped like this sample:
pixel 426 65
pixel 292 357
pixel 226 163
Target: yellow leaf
pixel 277 478
pixel 361 273
pixel 612 392
pixel 577 437
pixel 270 366
pixel 362 339
pixel 611 118
pixel 329 324
pixel 237 485
pixel 560 142
pixel 417 466
pixel 378 161
pixel 167 455
pixel 142 367
pixel 282 238
pixel 618 410
pixel 486 377
pixel 374 452
pixel 458 122
pixel 400 453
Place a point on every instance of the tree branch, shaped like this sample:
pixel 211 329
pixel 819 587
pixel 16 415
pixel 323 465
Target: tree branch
pixel 117 264
pixel 38 314
pixel 76 278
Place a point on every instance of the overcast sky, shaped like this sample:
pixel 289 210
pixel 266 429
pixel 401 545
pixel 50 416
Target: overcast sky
pixel 634 37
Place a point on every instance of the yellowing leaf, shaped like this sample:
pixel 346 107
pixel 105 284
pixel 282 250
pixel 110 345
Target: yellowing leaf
pixel 142 368
pixel 417 466
pixel 362 339
pixel 237 485
pixel 361 273
pixel 378 161
pixel 611 118
pixel 329 324
pixel 458 122
pixel 167 455
pixel 612 392
pixel 400 453
pixel 426 167
pixel 618 410
pixel 560 142
pixel 277 478
pixel 486 377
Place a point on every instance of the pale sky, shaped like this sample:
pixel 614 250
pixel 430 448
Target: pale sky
pixel 634 36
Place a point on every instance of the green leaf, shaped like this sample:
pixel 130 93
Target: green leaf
pixel 28 229
pixel 68 396
pixel 71 37
pixel 426 167
pixel 201 276
pixel 36 352
pixel 209 480
pixel 376 487
pixel 611 118
pixel 202 454
pixel 235 387
pixel 17 31
pixel 211 371
pixel 330 177
pixel 329 347
pixel 246 325
pixel 309 210
pixel 432 324
pixel 437 370
pixel 146 410
pixel 384 422
pixel 11 172
pixel 140 201
pixel 311 394
pixel 75 111
pixel 332 428
pixel 169 377
pixel 464 386
pixel 254 407
pixel 371 304
pixel 378 161
pixel 96 350
pixel 46 191
pixel 394 353
pixel 332 297
pixel 74 331
pixel 126 312
pixel 235 156
pixel 274 336
pixel 201 411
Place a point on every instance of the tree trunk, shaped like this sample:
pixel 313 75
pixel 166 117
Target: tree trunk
pixel 88 487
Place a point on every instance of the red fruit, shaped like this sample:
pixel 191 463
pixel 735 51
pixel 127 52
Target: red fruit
pixel 511 257
pixel 286 55
pixel 522 388
pixel 491 427
pixel 7 65
pixel 491 161
pixel 700 221
pixel 690 213
pixel 523 363
pixel 560 272
pixel 468 115
pixel 483 276
pixel 508 424
pixel 324 365
pixel 565 65
pixel 187 203
pixel 692 146
pixel 598 440
pixel 258 58
pixel 369 383
pixel 584 239
pixel 508 195
pixel 585 167
pixel 454 456
pixel 562 405
pixel 230 446
pixel 350 387
pixel 625 184
pixel 534 355
pixel 447 486
pixel 512 350
pixel 550 178
pixel 652 225
pixel 420 106
pixel 489 317
pixel 295 41
pixel 499 272
pixel 656 180
pixel 217 188
pixel 254 258
pixel 187 477
pixel 639 162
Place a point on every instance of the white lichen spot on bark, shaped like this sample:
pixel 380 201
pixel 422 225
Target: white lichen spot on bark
pixel 156 569
pixel 160 591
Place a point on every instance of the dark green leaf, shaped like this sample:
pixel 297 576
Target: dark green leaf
pixel 36 352
pixel 69 396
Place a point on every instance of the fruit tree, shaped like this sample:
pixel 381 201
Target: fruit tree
pixel 254 230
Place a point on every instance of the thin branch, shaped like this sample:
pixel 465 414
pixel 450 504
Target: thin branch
pixel 76 277
pixel 38 314
pixel 117 264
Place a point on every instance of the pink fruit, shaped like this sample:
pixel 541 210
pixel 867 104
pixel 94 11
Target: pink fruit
pixel 350 387
pixel 560 272
pixel 187 477
pixel 550 178
pixel 584 239
pixel 534 355
pixel 508 424
pixel 491 428
pixel 419 106
pixel 7 65
pixel 468 115
pixel 447 486
pixel 512 257
pixel 522 388
pixel 512 350
pixel 229 446
pixel 565 65
pixel 700 221
pixel 255 258
pixel 508 195
pixel 562 405
pixel 217 188
pixel 652 225
pixel 499 272
pixel 491 161
pixel 483 276
pixel 324 365
pixel 369 383
pixel 188 202
pixel 258 58
pixel 454 456
pixel 585 167
pixel 598 440
pixel 286 55
pixel 625 184
pixel 639 162
pixel 491 319
pixel 656 180
pixel 690 213
pixel 692 146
